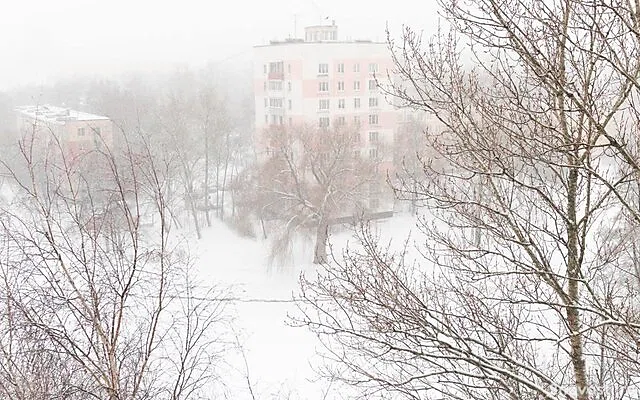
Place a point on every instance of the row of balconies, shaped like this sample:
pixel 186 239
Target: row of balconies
pixel 323 87
pixel 276 70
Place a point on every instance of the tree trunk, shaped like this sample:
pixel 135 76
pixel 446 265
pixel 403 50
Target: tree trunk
pixel 218 184
pixel 574 276
pixel 206 177
pixel 224 177
pixel 322 234
pixel 264 230
pixel 194 212
pixel 234 194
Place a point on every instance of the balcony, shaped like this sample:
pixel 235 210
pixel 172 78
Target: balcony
pixel 276 76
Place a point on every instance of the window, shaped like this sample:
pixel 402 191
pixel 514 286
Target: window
pixel 290 121
pixel 340 103
pixel 373 154
pixel 356 102
pixel 265 85
pixel 356 86
pixel 266 102
pixel 280 120
pixel 373 102
pixel 356 120
pixel 323 122
pixel 323 104
pixel 265 68
pixel 356 154
pixel 274 119
pixel 275 103
pixel 289 86
pixel 341 86
pixel 372 84
pixel 323 69
pixel 341 68
pixel 373 137
pixel 356 67
pixel 373 67
pixel 80 131
pixel 266 119
pixel 277 67
pixel 289 68
pixel 289 104
pixel 323 86
pixel 275 85
pixel 373 119
pixel 356 139
pixel 341 120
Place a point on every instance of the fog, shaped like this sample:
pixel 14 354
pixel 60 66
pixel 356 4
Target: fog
pixel 43 40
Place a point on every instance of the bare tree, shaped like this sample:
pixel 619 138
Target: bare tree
pixel 221 147
pixel 523 286
pixel 91 284
pixel 182 141
pixel 410 151
pixel 197 131
pixel 310 177
pixel 197 344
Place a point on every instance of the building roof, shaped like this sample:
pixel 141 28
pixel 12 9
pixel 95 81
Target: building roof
pixel 314 29
pixel 57 115
pixel 333 42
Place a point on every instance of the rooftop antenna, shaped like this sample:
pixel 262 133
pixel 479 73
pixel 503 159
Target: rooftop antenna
pixel 319 11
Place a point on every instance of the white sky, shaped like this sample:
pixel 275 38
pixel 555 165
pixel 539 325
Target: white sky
pixel 47 39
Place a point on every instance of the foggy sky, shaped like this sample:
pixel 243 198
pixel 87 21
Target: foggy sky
pixel 42 40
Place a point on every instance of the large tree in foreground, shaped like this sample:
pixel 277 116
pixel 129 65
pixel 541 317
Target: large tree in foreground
pixel 309 177
pixel 526 282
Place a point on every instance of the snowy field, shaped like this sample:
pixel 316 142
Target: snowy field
pixel 279 357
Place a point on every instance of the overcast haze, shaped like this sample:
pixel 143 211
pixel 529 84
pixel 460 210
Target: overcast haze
pixel 42 40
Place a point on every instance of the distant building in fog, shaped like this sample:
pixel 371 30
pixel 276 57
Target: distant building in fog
pixel 76 131
pixel 323 80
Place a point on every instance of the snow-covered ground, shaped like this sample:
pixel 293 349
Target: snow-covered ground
pixel 280 357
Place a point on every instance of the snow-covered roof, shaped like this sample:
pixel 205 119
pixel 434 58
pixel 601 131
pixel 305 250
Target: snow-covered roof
pixel 57 115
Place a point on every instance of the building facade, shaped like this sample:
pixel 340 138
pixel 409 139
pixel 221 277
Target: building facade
pixel 76 132
pixel 324 80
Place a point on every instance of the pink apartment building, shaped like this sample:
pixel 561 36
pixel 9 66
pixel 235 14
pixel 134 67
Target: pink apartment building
pixel 77 132
pixel 323 80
